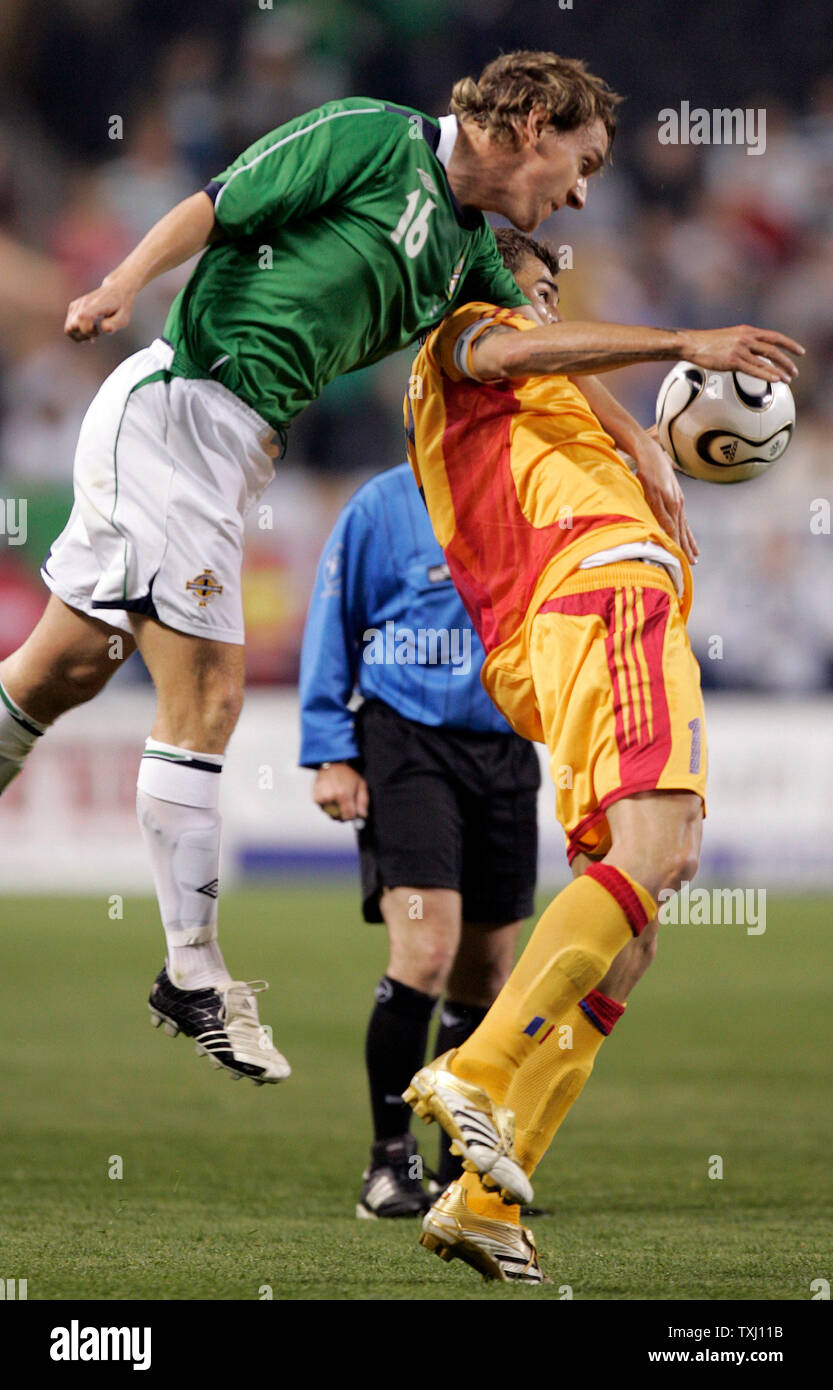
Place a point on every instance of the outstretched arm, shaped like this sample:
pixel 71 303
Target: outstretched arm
pixel 654 467
pixel 180 234
pixel 567 348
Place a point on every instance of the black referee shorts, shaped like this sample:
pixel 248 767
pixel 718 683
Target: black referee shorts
pixel 448 809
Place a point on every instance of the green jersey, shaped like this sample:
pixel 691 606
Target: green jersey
pixel 338 241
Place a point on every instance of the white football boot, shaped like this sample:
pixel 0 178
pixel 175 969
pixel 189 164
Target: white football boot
pixel 224 1024
pixel 481 1133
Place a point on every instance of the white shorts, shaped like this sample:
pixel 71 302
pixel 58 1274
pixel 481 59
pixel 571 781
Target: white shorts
pixel 165 471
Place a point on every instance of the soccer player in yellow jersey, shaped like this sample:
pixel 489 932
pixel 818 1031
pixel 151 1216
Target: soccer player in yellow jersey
pixel 576 573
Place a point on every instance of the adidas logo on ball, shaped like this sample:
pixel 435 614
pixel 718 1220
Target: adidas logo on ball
pixel 723 427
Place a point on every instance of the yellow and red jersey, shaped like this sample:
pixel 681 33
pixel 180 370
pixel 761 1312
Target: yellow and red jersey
pixel 522 484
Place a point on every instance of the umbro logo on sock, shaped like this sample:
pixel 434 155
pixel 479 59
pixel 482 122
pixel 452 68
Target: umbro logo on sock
pixel 210 889
pixel 451 1020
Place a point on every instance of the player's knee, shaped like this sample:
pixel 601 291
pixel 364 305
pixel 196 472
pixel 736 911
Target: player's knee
pixel 678 868
pixel 691 860
pixel 423 962
pixel 432 965
pixel 682 862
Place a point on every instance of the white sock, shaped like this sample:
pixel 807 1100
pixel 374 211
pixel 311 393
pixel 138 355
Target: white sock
pixel 176 801
pixel 19 733
pixel 196 966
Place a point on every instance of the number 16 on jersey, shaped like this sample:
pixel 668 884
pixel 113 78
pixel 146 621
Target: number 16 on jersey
pixel 414 223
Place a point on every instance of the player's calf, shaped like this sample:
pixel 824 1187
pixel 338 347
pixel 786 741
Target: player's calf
pixel 65 661
pixel 199 685
pixel 483 962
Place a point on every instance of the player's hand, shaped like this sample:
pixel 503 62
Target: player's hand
pixel 655 470
pixel 341 792
pixel 759 351
pixel 104 310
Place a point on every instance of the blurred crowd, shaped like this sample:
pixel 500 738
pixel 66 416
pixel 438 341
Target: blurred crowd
pixel 113 110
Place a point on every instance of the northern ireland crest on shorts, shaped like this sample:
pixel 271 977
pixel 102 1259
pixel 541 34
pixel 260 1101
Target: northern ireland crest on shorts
pixel 204 586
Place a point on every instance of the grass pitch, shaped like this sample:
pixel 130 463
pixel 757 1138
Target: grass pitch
pixel 227 1188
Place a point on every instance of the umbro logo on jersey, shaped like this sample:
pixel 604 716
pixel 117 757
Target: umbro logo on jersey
pixel 204 586
pixel 455 277
pixel 210 889
pixel 427 182
pixel 729 450
pixel 437 573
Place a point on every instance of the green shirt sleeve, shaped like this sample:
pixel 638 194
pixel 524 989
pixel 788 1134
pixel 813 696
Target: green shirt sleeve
pixel 487 278
pixel 299 167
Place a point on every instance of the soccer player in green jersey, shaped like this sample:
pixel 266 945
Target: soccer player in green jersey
pixel 331 242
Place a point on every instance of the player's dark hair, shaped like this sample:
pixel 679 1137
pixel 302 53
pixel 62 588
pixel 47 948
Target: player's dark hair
pixel 516 246
pixel 508 89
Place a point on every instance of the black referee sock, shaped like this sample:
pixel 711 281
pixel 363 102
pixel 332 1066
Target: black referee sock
pixel 397 1036
pixel 457 1022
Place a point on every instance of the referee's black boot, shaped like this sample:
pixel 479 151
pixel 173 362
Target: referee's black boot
pixel 392 1184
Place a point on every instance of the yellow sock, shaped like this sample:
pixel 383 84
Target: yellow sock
pixel 545 1087
pixel 571 948
pixel 489 1204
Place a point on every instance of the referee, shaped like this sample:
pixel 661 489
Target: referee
pixel 445 789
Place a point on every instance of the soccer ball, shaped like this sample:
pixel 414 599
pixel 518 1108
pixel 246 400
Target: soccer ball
pixel 723 427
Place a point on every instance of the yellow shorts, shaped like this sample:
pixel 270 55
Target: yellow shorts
pixel 618 691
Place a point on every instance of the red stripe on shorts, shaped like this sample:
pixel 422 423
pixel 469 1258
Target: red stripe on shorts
pixel 650 758
pixel 641 758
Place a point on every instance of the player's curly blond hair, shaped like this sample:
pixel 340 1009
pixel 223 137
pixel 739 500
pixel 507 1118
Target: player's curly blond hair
pixel 508 89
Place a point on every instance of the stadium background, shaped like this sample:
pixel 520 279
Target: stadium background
pixel 227 1191
pixel 671 234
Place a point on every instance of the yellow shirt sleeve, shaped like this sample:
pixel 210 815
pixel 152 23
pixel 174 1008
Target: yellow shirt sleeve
pixel 451 344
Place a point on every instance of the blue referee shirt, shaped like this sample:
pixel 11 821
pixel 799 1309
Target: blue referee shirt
pixel 385 617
